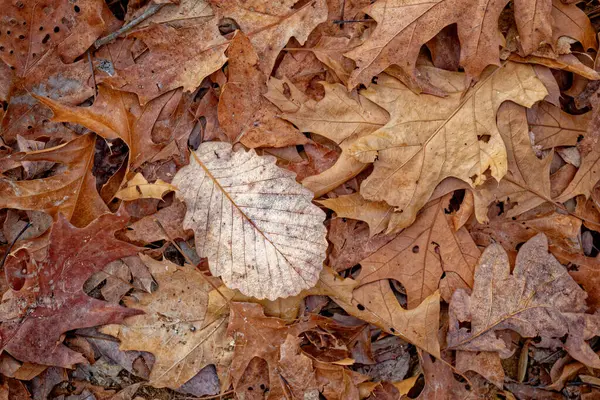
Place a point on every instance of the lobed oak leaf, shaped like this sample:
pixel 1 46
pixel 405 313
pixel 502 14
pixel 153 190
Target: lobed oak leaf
pixel 116 114
pixel 421 253
pixel 271 25
pixel 342 118
pixel 376 303
pixel 264 337
pixel 176 58
pixel 539 298
pixel 429 138
pixel 48 299
pixel 177 325
pixel 244 114
pixel 404 26
pixel 71 192
pixel 254 223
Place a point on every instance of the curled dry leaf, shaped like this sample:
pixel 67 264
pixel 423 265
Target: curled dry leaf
pixel 44 305
pixel 430 138
pixel 72 192
pixel 254 223
pixel 376 214
pixel 183 335
pixel 139 188
pixel 527 182
pixel 539 298
pixel 340 117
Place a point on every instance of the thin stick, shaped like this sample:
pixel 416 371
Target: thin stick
pixel 13 243
pixel 347 21
pixel 150 11
pixel 93 74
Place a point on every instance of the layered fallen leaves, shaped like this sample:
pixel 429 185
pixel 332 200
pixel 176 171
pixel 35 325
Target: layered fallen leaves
pixel 300 199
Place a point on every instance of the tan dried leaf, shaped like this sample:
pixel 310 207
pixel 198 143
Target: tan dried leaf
pixel 430 138
pixel 176 58
pixel 376 214
pixel 534 22
pixel 139 188
pixel 420 254
pixel 340 117
pixel 539 298
pixel 403 26
pixel 271 25
pixel 254 223
pixel 553 127
pixel 177 325
pixel 527 182
pixel 244 114
pixel 71 192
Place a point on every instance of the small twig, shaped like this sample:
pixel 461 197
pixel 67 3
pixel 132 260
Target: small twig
pixel 13 243
pixel 93 74
pixel 150 11
pixel 347 21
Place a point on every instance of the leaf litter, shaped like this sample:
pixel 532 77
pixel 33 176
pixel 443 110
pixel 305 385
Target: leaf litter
pixel 311 199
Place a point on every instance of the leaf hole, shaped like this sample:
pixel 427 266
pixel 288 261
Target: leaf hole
pixel 76 9
pixel 484 138
pixel 56 29
pixel 45 39
pixel 415 249
pixel 360 307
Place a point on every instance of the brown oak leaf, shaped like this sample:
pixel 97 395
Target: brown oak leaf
pixel 539 298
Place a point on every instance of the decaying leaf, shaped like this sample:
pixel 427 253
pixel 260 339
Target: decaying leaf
pixel 244 114
pixel 72 192
pixel 44 304
pixel 270 26
pixel 184 335
pixel 430 138
pixel 539 298
pixel 177 58
pixel 259 336
pixel 254 223
pixel 139 188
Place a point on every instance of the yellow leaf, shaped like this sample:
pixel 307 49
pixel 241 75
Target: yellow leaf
pixel 139 188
